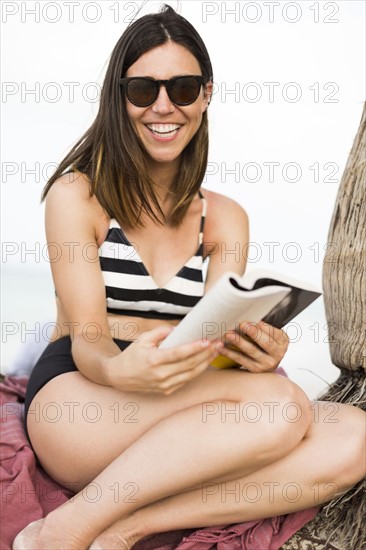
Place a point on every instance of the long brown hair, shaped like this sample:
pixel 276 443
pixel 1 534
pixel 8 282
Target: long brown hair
pixel 110 153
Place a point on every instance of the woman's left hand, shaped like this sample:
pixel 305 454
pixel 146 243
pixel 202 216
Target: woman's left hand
pixel 259 346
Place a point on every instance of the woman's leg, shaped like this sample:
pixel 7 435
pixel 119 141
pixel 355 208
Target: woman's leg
pixel 77 428
pixel 319 467
pixel 245 422
pixel 316 471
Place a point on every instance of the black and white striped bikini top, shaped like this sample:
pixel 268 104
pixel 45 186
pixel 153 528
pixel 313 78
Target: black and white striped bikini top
pixel 130 289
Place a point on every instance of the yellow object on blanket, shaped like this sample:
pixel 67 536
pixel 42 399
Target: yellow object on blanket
pixel 222 362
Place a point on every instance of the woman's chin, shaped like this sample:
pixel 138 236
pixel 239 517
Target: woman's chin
pixel 165 160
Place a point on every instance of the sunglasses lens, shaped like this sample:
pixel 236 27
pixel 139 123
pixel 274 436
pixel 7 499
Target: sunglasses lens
pixel 141 91
pixel 184 90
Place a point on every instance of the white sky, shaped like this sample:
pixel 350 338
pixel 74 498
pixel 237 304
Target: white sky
pixel 312 50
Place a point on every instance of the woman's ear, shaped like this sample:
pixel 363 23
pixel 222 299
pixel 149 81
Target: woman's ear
pixel 208 93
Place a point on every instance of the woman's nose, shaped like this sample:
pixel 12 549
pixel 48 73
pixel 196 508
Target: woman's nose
pixel 162 104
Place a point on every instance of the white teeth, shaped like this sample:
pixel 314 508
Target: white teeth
pixel 163 128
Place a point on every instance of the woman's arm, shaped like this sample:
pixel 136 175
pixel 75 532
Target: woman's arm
pixel 71 222
pixel 260 347
pixel 72 218
pixel 226 237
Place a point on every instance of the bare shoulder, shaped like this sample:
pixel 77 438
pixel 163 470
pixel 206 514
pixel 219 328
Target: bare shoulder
pixel 226 235
pixel 70 187
pixel 223 215
pixel 69 197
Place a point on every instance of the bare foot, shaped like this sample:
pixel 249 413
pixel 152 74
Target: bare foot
pixel 111 541
pixel 37 537
pixel 121 535
pixel 27 538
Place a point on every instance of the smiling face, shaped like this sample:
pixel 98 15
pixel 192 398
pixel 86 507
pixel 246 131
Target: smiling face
pixel 164 128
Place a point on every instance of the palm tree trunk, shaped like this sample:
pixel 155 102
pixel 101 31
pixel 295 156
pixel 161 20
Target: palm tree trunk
pixel 344 285
pixel 341 523
pixel 344 266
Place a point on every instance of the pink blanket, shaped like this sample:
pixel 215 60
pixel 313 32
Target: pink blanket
pixel 28 493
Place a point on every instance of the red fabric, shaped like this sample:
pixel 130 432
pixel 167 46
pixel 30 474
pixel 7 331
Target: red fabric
pixel 27 493
pixel 268 534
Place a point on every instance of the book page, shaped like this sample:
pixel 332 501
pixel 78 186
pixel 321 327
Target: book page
pixel 221 308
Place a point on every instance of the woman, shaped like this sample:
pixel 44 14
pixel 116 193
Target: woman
pixel 129 427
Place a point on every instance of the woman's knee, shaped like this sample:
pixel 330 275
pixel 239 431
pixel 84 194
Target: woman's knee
pixel 291 411
pixel 280 408
pixel 285 402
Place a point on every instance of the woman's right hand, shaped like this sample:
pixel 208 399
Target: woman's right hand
pixel 143 367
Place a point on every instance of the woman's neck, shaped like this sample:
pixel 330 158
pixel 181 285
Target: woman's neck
pixel 163 175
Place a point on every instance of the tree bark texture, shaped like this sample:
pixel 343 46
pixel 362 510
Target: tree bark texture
pixel 344 266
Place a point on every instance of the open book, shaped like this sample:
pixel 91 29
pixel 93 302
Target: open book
pixel 260 295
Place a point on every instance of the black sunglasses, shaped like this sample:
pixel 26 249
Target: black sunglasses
pixel 182 90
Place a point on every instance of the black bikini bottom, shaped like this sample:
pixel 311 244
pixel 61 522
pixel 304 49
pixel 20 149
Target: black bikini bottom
pixel 56 359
